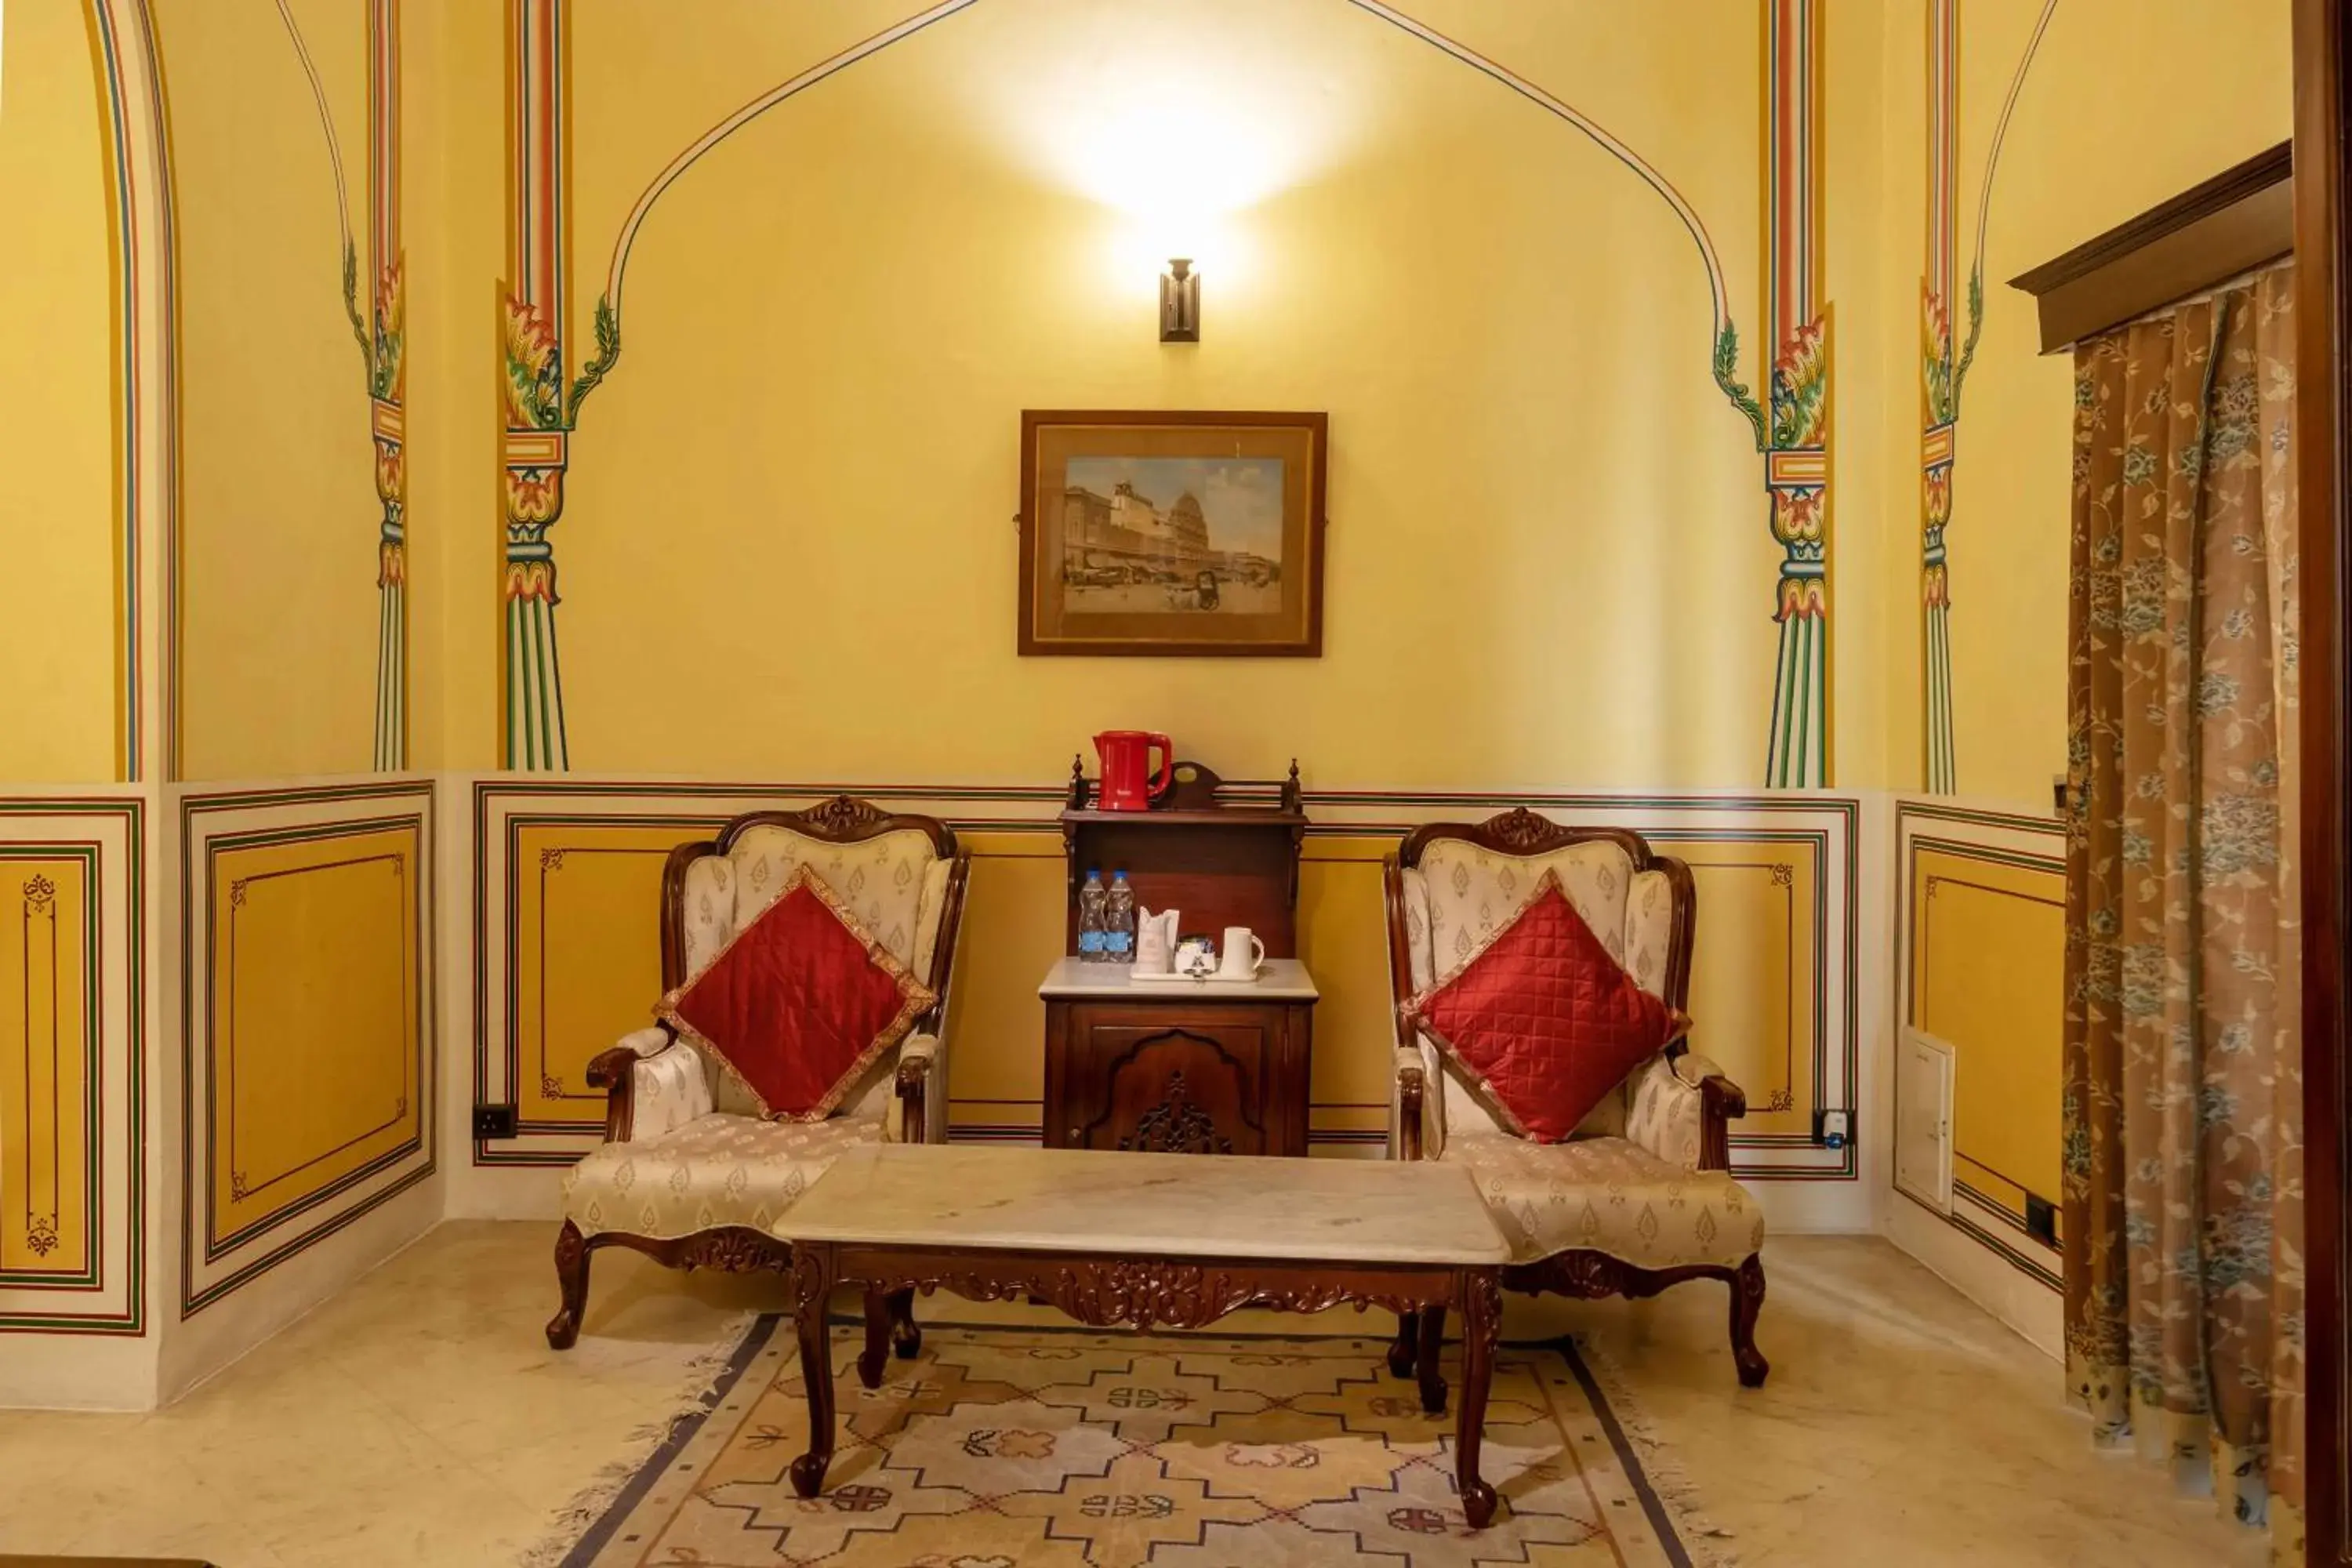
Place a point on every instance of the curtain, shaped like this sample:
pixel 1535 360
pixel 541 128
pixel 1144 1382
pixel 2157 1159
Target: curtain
pixel 2183 1126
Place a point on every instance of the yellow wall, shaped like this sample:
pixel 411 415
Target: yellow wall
pixel 280 519
pixel 58 531
pixel 1548 556
pixel 2127 102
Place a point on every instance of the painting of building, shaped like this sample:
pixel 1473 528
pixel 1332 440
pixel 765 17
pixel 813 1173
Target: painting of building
pixel 1137 536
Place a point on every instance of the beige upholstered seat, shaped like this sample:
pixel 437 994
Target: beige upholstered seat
pixel 713 1171
pixel 1639 1197
pixel 687 1173
pixel 1609 1195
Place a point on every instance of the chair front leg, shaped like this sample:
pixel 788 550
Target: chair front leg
pixel 1746 1301
pixel 572 1284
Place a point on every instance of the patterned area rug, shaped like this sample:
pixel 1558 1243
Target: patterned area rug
pixel 1028 1448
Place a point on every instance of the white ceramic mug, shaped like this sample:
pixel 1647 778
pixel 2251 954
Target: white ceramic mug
pixel 1243 954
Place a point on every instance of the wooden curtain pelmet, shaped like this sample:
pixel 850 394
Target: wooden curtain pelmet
pixel 2200 238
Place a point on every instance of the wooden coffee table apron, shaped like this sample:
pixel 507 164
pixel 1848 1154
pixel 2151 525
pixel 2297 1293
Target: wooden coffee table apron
pixel 1145 1240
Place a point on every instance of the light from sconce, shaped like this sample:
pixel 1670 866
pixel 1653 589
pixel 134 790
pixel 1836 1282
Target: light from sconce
pixel 1180 302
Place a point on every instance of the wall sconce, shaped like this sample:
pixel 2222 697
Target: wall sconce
pixel 1180 302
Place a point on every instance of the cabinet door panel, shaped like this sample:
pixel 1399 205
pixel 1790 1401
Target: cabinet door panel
pixel 1190 1082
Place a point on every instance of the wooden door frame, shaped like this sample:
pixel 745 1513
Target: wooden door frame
pixel 2323 359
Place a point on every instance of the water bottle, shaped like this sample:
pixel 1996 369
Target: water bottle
pixel 1092 947
pixel 1119 922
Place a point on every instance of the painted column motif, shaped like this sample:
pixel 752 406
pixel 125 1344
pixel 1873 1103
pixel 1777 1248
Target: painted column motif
pixel 532 448
pixel 1797 426
pixel 380 333
pixel 383 341
pixel 541 411
pixel 1942 368
pixel 1940 388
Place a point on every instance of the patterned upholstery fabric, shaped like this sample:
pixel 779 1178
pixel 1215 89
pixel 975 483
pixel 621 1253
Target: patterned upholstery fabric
pixel 880 879
pixel 892 882
pixel 1627 1183
pixel 1605 1194
pixel 1474 891
pixel 1667 1107
pixel 1461 893
pixel 714 1171
pixel 671 1087
pixel 1649 929
pixel 1543 1020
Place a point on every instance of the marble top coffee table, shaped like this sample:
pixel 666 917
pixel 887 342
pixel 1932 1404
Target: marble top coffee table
pixel 1146 1240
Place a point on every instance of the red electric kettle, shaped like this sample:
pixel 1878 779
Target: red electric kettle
pixel 1128 782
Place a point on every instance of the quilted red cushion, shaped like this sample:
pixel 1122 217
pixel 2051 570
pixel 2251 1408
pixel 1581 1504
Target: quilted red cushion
pixel 800 1004
pixel 1543 1021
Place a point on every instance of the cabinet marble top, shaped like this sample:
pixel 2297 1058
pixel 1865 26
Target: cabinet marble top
pixel 1179 1205
pixel 1278 980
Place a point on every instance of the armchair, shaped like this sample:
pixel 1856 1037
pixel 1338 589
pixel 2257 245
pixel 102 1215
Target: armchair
pixel 1641 1195
pixel 688 1173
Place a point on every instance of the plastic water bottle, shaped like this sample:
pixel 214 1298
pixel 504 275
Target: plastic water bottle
pixel 1119 922
pixel 1093 928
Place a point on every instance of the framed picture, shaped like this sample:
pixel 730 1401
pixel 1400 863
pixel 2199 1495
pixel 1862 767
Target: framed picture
pixel 1150 534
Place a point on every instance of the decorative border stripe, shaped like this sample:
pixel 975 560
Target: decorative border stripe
pixel 1826 826
pixel 117 1221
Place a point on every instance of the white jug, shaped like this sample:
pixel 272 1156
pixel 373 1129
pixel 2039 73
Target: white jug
pixel 1155 942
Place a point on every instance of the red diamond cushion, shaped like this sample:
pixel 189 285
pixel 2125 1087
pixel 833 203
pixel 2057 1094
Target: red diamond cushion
pixel 800 1004
pixel 1543 1021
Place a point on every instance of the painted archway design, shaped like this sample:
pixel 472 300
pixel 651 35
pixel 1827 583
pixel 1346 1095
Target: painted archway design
pixel 1942 370
pixel 542 400
pixel 381 334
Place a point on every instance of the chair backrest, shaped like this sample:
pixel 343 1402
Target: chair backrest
pixel 900 873
pixel 1453 884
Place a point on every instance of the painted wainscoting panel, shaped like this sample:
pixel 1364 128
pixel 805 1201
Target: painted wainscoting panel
pixel 564 939
pixel 309 1020
pixel 72 1069
pixel 1978 957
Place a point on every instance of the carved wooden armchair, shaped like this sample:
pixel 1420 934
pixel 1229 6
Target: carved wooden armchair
pixel 1640 1196
pixel 688 1173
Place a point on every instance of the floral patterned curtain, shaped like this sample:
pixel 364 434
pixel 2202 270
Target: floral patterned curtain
pixel 2183 1224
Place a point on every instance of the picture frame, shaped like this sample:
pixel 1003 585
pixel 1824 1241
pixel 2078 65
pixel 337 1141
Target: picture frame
pixel 1150 534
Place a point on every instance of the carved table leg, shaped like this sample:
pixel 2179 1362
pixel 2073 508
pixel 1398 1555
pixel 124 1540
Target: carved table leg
pixel 1429 1361
pixel 571 1283
pixel 876 1353
pixel 905 1334
pixel 1482 1326
pixel 1408 1337
pixel 813 1271
pixel 1747 1300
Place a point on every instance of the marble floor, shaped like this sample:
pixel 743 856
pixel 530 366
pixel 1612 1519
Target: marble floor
pixel 419 1418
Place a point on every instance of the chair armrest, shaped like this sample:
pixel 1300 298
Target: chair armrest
pixel 1407 1101
pixel 1683 1108
pixel 616 1072
pixel 916 1057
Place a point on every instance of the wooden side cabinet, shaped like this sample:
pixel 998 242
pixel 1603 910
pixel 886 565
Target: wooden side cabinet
pixel 1178 1067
